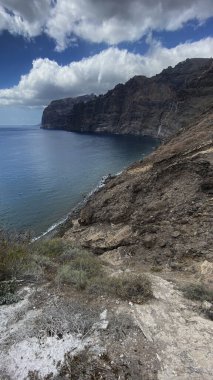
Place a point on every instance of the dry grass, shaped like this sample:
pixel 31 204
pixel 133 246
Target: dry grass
pixel 198 292
pixel 57 261
pixel 128 287
pixel 81 268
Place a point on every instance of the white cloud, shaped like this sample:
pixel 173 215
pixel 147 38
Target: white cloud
pixel 114 21
pixel 47 80
pixel 26 18
pixel 110 21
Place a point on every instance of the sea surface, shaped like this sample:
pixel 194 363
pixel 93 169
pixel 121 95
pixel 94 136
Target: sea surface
pixel 45 174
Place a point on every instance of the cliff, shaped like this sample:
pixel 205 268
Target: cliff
pixel 157 106
pixel 57 114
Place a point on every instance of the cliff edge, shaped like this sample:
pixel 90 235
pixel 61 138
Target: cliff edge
pixel 157 106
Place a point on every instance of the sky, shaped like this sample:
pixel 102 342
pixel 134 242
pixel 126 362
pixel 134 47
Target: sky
pixel 52 49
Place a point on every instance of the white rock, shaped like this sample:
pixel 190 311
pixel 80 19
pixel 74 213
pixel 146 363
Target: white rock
pixel 103 315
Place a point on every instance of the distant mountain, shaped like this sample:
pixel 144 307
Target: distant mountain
pixel 157 106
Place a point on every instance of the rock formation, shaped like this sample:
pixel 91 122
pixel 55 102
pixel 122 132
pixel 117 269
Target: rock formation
pixel 157 106
pixel 57 114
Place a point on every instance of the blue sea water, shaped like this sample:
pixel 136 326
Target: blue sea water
pixel 44 174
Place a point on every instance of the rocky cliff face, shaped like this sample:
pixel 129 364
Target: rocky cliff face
pixel 57 114
pixel 157 106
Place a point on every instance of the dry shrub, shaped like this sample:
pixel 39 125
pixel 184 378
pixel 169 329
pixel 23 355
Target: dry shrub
pixel 13 261
pixel 198 292
pixel 51 248
pixel 82 268
pixel 128 287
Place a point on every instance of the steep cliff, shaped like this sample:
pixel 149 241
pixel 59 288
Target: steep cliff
pixel 157 106
pixel 57 114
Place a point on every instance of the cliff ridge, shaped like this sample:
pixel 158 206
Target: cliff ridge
pixel 157 106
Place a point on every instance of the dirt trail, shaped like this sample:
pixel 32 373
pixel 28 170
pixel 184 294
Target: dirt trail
pixel 183 339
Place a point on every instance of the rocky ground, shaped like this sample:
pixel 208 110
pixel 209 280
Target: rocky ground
pixel 159 210
pixel 60 334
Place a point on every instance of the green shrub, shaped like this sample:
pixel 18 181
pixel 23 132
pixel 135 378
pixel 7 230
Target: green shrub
pixel 67 275
pixel 88 263
pixel 81 268
pixel 13 260
pixel 198 292
pixel 51 248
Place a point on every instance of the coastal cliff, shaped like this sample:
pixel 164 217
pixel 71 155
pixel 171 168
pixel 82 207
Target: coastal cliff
pixel 157 106
pixel 57 114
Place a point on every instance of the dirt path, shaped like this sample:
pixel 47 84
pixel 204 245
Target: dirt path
pixel 182 338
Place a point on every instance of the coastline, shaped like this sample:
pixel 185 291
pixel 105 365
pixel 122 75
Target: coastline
pixel 58 228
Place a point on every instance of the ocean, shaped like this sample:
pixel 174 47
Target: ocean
pixel 44 174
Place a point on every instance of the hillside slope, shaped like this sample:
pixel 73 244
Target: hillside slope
pixel 157 106
pixel 159 209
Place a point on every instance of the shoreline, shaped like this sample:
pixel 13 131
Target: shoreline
pixel 59 228
pixel 56 229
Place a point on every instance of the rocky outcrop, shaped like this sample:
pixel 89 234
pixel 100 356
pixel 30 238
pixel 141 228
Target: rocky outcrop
pixel 157 106
pixel 57 114
pixel 160 209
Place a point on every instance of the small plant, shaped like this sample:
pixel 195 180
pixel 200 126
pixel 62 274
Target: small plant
pixel 51 248
pixel 128 287
pixel 70 276
pixel 7 292
pixel 156 269
pixel 13 260
pixel 122 324
pixel 198 292
pixel 80 269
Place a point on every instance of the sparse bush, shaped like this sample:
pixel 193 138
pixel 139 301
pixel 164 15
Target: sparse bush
pixel 198 292
pixel 83 267
pixel 129 287
pixel 85 365
pixel 64 317
pixel 43 261
pixel 67 275
pixel 88 263
pixel 7 292
pixel 52 248
pixel 156 269
pixel 120 325
pixel 13 260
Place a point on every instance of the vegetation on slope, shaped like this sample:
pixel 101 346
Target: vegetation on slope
pixel 62 264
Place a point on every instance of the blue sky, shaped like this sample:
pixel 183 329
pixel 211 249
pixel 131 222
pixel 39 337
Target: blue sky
pixel 57 48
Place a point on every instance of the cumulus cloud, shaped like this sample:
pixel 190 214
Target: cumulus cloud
pixel 114 21
pixel 26 18
pixel 110 21
pixel 47 80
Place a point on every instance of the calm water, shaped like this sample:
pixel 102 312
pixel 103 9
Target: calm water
pixel 44 174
